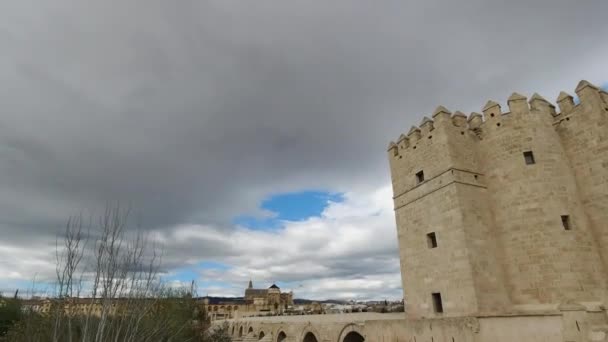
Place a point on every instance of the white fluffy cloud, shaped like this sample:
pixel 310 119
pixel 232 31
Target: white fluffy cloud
pixel 350 251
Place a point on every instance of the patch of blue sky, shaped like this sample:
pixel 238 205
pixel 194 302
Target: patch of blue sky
pixel 219 288
pixel 293 206
pixel 184 275
pixel 206 284
pixel 27 288
pixel 189 273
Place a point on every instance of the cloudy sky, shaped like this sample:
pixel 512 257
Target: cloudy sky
pixel 250 136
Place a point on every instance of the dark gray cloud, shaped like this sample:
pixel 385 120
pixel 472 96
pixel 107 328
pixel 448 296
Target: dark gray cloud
pixel 192 111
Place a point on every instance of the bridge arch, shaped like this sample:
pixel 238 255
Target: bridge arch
pixel 310 337
pixel 352 333
pixel 241 331
pixel 309 334
pixel 353 336
pixel 250 330
pixel 281 336
pixel 261 334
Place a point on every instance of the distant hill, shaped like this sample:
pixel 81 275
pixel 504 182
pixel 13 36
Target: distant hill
pixel 299 301
pixel 218 300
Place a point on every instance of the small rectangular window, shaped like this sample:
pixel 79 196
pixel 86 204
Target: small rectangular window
pixel 420 177
pixel 431 240
pixel 566 222
pixel 437 303
pixel 529 158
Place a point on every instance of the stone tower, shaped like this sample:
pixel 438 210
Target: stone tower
pixel 274 295
pixel 504 212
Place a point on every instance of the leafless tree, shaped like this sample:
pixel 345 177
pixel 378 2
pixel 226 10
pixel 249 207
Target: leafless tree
pixel 68 260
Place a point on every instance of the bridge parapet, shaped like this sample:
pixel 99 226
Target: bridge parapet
pixel 554 325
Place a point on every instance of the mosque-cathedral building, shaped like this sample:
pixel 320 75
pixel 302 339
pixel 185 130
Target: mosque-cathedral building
pixel 255 302
pixel 271 298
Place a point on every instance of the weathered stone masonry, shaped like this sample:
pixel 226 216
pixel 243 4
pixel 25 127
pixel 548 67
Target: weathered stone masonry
pixel 516 202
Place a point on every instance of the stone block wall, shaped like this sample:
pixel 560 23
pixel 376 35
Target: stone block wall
pixel 518 202
pixel 583 131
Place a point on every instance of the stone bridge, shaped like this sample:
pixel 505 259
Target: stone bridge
pixel 307 328
pixel 553 325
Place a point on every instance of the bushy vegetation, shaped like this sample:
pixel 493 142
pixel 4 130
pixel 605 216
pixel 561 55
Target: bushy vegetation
pixel 10 314
pixel 159 319
pixel 219 334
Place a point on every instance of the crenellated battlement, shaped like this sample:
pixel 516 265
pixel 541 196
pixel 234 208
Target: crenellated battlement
pixel 494 118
